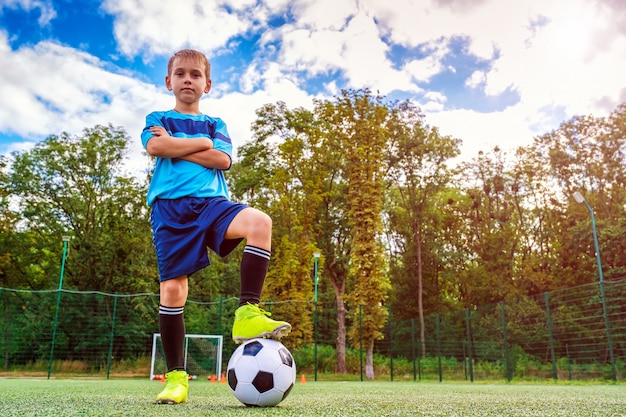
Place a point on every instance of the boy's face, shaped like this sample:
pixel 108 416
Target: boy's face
pixel 188 80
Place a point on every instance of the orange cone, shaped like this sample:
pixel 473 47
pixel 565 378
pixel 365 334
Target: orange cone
pixel 162 378
pixel 213 378
pixel 223 379
pixel 303 379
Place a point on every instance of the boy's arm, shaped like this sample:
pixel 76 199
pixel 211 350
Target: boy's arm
pixel 210 158
pixel 163 145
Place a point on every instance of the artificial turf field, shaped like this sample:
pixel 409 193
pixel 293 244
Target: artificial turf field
pixel 134 397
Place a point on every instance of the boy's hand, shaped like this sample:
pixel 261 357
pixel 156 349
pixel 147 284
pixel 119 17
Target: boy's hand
pixel 158 131
pixel 161 132
pixel 164 145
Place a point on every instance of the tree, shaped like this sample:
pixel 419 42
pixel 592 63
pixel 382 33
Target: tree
pixel 417 171
pixel 275 173
pixel 492 226
pixel 68 185
pixel 359 119
pixel 587 154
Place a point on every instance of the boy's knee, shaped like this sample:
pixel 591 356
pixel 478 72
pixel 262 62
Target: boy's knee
pixel 174 291
pixel 266 222
pixel 261 226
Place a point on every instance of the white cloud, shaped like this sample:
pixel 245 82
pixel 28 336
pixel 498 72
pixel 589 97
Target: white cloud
pixel 567 55
pixel 56 89
pixel 506 129
pixel 46 9
pixel 147 27
pixel 476 79
pixel 422 70
pixel 323 15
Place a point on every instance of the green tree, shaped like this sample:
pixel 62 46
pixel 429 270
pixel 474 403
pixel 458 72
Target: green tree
pixel 586 154
pixel 359 119
pixel 492 227
pixel 275 173
pixel 417 171
pixel 69 185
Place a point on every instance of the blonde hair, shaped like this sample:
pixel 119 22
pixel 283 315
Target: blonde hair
pixel 198 56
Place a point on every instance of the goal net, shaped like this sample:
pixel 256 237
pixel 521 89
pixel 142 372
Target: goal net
pixel 203 356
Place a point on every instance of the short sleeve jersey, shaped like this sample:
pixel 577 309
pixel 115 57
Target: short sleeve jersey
pixel 176 178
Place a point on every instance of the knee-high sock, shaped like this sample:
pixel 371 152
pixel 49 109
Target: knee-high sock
pixel 172 327
pixel 254 264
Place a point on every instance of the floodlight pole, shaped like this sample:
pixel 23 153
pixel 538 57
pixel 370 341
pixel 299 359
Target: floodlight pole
pixel 580 199
pixel 609 340
pixel 66 240
pixel 316 257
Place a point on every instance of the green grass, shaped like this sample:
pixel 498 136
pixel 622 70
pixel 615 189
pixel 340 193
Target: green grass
pixel 134 397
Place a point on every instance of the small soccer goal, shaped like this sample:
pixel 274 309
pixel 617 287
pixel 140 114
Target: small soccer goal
pixel 203 356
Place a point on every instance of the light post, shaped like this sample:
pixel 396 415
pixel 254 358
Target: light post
pixel 316 258
pixel 609 340
pixel 66 240
pixel 580 199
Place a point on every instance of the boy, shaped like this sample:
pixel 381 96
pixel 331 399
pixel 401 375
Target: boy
pixel 190 211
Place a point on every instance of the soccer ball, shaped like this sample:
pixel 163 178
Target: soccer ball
pixel 261 373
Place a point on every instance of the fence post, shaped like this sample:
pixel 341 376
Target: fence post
pixel 507 356
pixel 468 329
pixel 5 332
pixel 110 358
pixel 438 347
pixel 546 297
pixel 413 347
pixel 609 339
pixel 66 239
pixel 390 345
pixel 361 339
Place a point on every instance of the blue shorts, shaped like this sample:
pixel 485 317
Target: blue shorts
pixel 183 228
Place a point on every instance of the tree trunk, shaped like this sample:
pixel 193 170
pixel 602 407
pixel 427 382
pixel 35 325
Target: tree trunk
pixel 338 281
pixel 341 335
pixel 369 361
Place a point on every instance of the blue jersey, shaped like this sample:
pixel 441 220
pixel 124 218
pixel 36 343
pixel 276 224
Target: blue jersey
pixel 176 178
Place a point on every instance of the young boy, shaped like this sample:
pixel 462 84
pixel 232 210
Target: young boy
pixel 190 211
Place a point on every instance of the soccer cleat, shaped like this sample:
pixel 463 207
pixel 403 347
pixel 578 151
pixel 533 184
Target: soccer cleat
pixel 175 392
pixel 251 322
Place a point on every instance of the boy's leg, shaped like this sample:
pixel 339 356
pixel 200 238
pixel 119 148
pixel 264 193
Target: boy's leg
pixel 172 328
pixel 250 321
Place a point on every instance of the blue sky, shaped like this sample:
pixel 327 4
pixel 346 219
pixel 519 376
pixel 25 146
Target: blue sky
pixel 489 72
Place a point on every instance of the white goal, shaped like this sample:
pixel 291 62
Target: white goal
pixel 203 356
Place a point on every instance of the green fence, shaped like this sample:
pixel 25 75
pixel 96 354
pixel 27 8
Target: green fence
pixel 576 333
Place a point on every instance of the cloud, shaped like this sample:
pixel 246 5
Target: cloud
pixel 148 28
pixel 54 89
pixel 559 57
pixel 46 9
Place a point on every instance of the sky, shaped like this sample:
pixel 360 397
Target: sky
pixel 488 72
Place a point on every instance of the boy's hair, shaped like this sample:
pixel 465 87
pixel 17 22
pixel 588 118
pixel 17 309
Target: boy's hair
pixel 194 55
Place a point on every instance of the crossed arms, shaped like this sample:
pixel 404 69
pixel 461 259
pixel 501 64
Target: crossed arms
pixel 197 150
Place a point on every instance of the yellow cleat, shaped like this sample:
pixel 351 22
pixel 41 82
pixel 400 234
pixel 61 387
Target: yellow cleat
pixel 175 392
pixel 251 322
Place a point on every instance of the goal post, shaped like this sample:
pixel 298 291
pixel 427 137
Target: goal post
pixel 203 355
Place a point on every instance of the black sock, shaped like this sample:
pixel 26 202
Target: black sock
pixel 172 327
pixel 254 264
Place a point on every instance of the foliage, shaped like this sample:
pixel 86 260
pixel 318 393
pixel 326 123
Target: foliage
pixel 400 224
pixel 75 186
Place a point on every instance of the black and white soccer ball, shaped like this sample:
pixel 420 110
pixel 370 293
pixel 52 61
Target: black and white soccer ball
pixel 261 373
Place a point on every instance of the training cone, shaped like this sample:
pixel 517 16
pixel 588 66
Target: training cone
pixel 162 378
pixel 223 379
pixel 303 379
